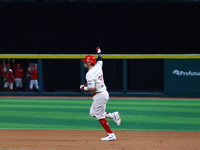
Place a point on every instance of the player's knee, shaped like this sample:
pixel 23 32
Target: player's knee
pixel 100 117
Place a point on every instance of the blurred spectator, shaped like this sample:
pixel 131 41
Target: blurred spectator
pixel 9 78
pixel 19 75
pixel 34 78
pixel 2 68
pixel 2 73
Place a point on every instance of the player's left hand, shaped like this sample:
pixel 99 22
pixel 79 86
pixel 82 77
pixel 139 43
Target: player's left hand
pixel 98 50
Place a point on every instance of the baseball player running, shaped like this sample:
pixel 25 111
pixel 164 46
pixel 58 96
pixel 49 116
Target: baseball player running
pixel 96 85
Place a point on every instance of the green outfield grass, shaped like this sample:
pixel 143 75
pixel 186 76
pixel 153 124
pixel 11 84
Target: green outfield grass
pixel 73 114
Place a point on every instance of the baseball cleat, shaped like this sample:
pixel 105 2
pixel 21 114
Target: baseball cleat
pixel 116 118
pixel 110 137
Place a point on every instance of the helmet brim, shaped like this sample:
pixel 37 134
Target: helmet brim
pixel 84 60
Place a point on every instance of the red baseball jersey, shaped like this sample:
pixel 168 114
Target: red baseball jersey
pixel 18 72
pixel 34 74
pixel 1 70
pixel 9 76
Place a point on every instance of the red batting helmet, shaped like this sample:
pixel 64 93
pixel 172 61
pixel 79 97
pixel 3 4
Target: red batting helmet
pixel 33 65
pixel 90 58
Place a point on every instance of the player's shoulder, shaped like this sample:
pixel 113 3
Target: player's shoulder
pixel 95 69
pixel 91 72
pixel 99 63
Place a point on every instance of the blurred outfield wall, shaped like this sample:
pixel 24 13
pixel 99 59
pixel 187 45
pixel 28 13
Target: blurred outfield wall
pixel 124 75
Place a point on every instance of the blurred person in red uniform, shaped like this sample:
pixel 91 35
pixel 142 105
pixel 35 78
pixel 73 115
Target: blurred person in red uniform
pixel 2 68
pixel 2 73
pixel 19 75
pixel 8 75
pixel 34 78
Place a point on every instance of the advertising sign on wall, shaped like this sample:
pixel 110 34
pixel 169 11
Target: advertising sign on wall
pixel 182 76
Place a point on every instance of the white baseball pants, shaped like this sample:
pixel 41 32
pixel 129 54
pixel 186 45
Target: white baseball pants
pixel 18 82
pixel 99 105
pixel 34 83
pixel 6 84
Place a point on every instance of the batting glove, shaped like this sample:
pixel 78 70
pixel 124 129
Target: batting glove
pixel 81 87
pixel 98 50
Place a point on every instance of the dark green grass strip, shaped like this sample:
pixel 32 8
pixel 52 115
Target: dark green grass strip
pixel 73 114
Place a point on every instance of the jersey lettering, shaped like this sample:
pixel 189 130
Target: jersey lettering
pixel 95 79
pixel 101 78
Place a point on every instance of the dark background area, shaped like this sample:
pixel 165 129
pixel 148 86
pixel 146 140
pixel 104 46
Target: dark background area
pixel 76 28
pixel 118 28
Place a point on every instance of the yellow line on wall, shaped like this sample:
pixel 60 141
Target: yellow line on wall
pixel 105 56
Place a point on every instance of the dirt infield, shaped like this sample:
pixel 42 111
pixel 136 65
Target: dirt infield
pixel 90 140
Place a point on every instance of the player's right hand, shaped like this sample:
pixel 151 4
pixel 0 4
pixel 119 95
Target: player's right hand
pixel 98 50
pixel 81 87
